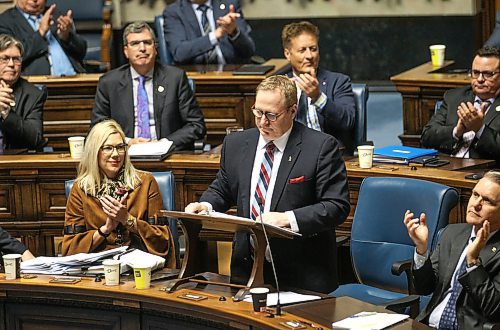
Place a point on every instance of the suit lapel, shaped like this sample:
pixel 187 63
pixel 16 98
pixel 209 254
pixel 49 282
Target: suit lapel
pixel 125 87
pixel 248 151
pixel 160 88
pixel 290 156
pixel 455 253
pixel 491 248
pixel 492 112
pixel 190 16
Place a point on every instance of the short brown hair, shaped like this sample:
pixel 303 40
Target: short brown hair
pixel 137 27
pixel 293 30
pixel 6 41
pixel 283 84
pixel 493 176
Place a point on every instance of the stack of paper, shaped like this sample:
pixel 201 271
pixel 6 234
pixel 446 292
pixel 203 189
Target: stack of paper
pixel 369 321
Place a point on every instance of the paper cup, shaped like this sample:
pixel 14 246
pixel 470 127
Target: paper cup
pixel 259 298
pixel 112 271
pixel 12 266
pixel 437 54
pixel 76 146
pixel 365 155
pixel 142 276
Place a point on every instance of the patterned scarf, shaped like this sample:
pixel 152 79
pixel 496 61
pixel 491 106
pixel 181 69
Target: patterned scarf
pixel 115 188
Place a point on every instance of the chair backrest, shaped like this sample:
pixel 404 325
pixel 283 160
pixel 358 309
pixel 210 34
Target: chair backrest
pixel 438 105
pixel 378 235
pixel 163 52
pixel 360 97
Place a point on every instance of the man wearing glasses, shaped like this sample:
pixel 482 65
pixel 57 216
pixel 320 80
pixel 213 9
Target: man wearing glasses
pixel 150 101
pixel 468 123
pixel 21 103
pixel 289 176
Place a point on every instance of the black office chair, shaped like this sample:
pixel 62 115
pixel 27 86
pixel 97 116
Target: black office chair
pixel 360 98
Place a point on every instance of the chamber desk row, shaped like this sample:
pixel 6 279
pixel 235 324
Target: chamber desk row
pixel 32 196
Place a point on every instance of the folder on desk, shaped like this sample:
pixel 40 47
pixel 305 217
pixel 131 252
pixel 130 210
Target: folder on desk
pixel 253 69
pixel 152 151
pixel 400 154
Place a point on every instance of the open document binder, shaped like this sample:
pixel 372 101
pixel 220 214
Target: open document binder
pixel 153 151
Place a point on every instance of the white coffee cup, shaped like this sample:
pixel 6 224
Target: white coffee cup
pixel 12 266
pixel 437 54
pixel 365 155
pixel 112 271
pixel 76 146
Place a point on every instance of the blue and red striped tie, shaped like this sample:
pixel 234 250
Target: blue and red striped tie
pixel 266 168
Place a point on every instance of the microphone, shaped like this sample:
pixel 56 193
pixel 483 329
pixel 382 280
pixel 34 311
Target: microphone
pixel 261 210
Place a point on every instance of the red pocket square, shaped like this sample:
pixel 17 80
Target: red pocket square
pixel 297 180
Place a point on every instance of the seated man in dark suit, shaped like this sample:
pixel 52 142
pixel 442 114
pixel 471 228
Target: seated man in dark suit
pixel 463 272
pixel 9 245
pixel 21 103
pixel 468 123
pixel 326 100
pixel 51 44
pixel 297 176
pixel 207 32
pixel 149 100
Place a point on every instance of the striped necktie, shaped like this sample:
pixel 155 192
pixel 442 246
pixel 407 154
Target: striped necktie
pixel 211 55
pixel 143 129
pixel 266 168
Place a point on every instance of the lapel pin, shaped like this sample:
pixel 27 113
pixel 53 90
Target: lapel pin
pixel 324 83
pixel 289 158
pixel 161 89
pixel 497 108
pixel 494 249
pixel 222 6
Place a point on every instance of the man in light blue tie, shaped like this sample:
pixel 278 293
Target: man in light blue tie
pixel 463 272
pixel 52 46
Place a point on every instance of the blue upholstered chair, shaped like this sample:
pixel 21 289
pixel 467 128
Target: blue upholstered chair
pixel 379 238
pixel 360 97
pixel 166 183
pixel 163 52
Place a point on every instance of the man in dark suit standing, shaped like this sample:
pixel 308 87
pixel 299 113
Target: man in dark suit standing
pixel 326 100
pixel 51 44
pixel 298 176
pixel 149 100
pixel 468 123
pixel 463 272
pixel 21 103
pixel 207 32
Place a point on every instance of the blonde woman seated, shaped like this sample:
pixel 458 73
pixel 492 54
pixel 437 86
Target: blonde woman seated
pixel 110 201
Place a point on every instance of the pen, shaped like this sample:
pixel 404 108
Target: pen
pixel 124 253
pixel 363 314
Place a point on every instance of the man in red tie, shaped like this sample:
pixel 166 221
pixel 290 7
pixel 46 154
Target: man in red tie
pixel 287 175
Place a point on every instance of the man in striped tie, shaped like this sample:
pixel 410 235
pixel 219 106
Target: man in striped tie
pixel 296 176
pixel 467 125
pixel 463 272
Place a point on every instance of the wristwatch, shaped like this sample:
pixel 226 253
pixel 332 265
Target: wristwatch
pixel 131 221
pixel 475 262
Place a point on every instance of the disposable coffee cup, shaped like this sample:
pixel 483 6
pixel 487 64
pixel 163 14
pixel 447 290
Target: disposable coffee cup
pixel 365 155
pixel 12 266
pixel 76 146
pixel 142 276
pixel 437 54
pixel 259 298
pixel 111 271
pixel 232 129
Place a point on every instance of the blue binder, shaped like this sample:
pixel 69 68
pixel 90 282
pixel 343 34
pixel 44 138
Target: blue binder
pixel 400 154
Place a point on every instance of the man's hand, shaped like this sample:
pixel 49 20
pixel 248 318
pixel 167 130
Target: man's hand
pixel 478 244
pixel 227 23
pixel 417 230
pixel 65 25
pixel 472 119
pixel 279 219
pixel 138 140
pixel 46 21
pixel 309 84
pixel 6 97
pixel 196 208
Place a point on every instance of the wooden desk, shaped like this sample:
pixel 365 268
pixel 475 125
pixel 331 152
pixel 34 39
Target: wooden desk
pixel 421 90
pixel 224 99
pixel 33 202
pixel 29 303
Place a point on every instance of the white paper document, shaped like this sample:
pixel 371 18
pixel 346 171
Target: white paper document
pixel 154 148
pixel 369 321
pixel 286 297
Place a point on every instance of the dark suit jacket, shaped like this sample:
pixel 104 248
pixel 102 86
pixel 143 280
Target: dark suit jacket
pixel 479 300
pixel 338 116
pixel 36 48
pixel 177 114
pixel 9 244
pixel 23 127
pixel 186 42
pixel 438 133
pixel 320 203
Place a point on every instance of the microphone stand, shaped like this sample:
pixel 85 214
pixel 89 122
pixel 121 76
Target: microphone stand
pixel 278 304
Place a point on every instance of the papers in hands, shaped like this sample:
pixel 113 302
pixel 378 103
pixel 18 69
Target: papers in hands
pixel 154 148
pixel 369 321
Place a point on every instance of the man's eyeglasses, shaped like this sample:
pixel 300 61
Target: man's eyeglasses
pixel 136 43
pixel 15 59
pixel 108 149
pixel 271 116
pixel 486 74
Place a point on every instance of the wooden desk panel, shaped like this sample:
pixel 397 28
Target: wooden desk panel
pixel 420 90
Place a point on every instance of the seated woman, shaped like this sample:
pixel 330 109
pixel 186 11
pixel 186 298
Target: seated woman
pixel 110 201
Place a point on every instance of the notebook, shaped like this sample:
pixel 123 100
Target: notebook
pixel 152 151
pixel 400 154
pixel 253 69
